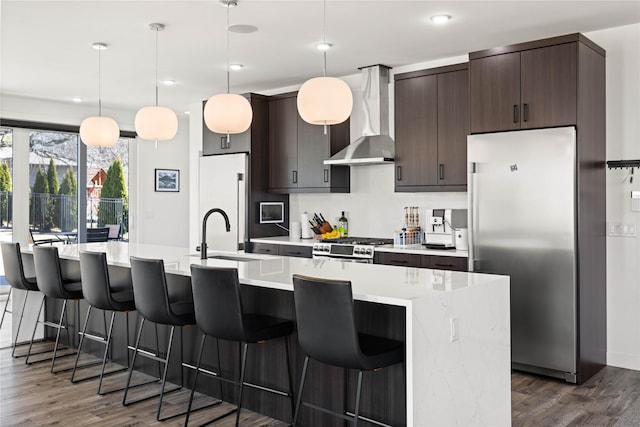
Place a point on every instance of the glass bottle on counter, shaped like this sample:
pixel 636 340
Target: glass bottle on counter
pixel 343 226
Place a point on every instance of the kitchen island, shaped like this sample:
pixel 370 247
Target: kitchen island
pixel 455 326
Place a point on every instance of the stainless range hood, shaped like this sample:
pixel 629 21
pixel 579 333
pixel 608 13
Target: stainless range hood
pixel 375 146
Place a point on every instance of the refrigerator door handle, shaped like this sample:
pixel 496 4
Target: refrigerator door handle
pixel 470 213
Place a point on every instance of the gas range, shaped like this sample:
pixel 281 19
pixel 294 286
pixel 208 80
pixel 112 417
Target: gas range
pixel 354 249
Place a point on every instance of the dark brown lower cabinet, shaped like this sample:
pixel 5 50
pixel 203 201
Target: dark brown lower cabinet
pixel 423 261
pixel 282 250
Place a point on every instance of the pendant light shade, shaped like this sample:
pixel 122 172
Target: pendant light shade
pixel 325 101
pixel 99 131
pixel 228 113
pixel 156 123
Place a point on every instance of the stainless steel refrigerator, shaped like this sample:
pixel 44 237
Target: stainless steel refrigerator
pixel 522 217
pixel 223 184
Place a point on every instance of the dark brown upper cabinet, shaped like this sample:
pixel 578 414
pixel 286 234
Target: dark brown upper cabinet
pixel 526 86
pixel 297 151
pixel 431 128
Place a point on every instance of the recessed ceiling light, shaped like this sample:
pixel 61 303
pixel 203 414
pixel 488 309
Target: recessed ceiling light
pixel 100 46
pixel 324 46
pixel 76 99
pixel 440 19
pixel 235 67
pixel 187 112
pixel 168 82
pixel 228 3
pixel 242 28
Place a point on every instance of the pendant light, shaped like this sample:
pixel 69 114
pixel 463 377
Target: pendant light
pixel 154 122
pixel 99 131
pixel 324 100
pixel 228 113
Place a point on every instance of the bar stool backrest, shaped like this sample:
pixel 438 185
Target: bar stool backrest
pixel 95 279
pixel 217 302
pixel 14 269
pixel 150 290
pixel 325 321
pixel 49 272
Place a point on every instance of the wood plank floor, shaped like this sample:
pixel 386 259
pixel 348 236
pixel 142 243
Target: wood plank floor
pixel 31 396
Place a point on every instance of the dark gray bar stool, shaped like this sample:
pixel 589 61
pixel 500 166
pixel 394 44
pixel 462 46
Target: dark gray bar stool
pixel 153 304
pixel 14 273
pixel 219 313
pixel 102 293
pixel 54 286
pixel 327 332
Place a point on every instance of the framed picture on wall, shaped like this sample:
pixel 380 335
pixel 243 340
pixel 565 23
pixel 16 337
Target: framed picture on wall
pixel 168 180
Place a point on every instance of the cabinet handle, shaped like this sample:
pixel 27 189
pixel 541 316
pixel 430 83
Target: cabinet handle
pixel 441 171
pixel 326 175
pixel 525 112
pixel 444 265
pixel 295 177
pixel 399 261
pixel 399 173
pixel 515 114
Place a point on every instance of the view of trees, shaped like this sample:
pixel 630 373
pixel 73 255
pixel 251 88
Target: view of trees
pixel 5 194
pixel 55 205
pixel 114 187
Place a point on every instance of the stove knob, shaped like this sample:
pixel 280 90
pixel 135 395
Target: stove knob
pixel 369 251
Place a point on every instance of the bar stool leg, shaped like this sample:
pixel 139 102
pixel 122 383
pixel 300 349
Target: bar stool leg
pixel 291 398
pixel 219 369
pixel 104 356
pixel 6 304
pixel 55 348
pixel 242 372
pixel 195 379
pixel 133 361
pixel 15 340
pixel 304 375
pixel 84 330
pixel 35 328
pixel 358 391
pixel 164 374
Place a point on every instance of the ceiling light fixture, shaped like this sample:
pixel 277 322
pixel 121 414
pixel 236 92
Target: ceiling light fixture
pixel 154 122
pixel 228 113
pixel 168 82
pixel 324 46
pixel 236 67
pixel 324 100
pixel 440 19
pixel 99 131
pixel 76 99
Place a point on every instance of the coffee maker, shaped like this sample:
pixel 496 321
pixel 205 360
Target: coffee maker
pixel 440 230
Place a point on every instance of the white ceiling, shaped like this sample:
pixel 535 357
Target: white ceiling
pixel 45 46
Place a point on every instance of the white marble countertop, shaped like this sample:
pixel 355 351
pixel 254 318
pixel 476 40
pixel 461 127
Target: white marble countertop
pixel 415 249
pixel 375 283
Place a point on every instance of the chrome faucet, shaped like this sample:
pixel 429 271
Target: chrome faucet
pixel 203 245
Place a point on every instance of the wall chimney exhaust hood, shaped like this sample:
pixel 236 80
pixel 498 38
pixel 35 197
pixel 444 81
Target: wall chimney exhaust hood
pixel 375 146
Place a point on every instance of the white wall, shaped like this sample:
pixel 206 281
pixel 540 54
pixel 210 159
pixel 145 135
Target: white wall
pixel 623 142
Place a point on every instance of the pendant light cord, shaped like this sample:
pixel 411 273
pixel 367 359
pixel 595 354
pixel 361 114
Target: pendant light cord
pixel 157 30
pixel 99 80
pixel 227 29
pixel 324 37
